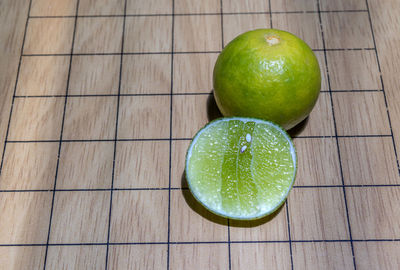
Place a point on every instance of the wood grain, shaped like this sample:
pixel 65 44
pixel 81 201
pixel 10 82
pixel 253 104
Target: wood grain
pixel 361 113
pixel 197 33
pixel 112 203
pixel 275 255
pixel 49 36
pixel 374 212
pixel 377 255
pixel 236 24
pixel 318 214
pixel 139 216
pixel 36 119
pixel 90 118
pixel 305 26
pixel 347 30
pixel 318 162
pixel 98 35
pixel 142 164
pixel 94 74
pixel 199 257
pixel 85 165
pixel 146 74
pixel 138 257
pixel 148 34
pixel 25 217
pixel 29 166
pixel 76 257
pixel 245 6
pixel 335 256
pixel 191 222
pixel 353 70
pixel 12 20
pixel 86 214
pixel 43 76
pixel 23 258
pixel 193 72
pixel 385 28
pixel 53 8
pixel 144 117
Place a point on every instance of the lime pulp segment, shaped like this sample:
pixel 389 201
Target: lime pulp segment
pixel 241 168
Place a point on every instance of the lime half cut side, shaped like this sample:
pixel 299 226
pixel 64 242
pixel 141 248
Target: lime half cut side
pixel 241 168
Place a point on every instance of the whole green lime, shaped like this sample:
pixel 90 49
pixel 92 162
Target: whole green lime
pixel 269 74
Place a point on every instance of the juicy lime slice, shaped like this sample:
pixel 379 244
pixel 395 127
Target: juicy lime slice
pixel 241 168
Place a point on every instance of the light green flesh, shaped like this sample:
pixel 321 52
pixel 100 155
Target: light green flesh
pixel 237 184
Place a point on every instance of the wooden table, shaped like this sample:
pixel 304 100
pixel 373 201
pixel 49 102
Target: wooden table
pixel 99 101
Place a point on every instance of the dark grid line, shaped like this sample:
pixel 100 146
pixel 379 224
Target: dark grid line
pixel 353 90
pixel 116 95
pixel 15 87
pixel 90 189
pixel 175 52
pixel 169 94
pixel 115 137
pixel 204 242
pixel 270 13
pixel 227 220
pixel 383 87
pixel 222 24
pixel 345 49
pixel 185 188
pixel 197 14
pixel 184 139
pixel 189 139
pixel 170 134
pixel 290 241
pixel 229 245
pixel 61 136
pixel 124 53
pixel 336 135
pixel 349 186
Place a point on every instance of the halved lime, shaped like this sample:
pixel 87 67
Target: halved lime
pixel 241 168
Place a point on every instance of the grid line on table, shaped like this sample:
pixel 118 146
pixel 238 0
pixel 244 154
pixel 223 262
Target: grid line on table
pixel 15 87
pixel 186 188
pixel 222 25
pixel 189 139
pixel 228 223
pixel 289 235
pixel 229 246
pixel 61 136
pixel 167 94
pixel 207 242
pixel 270 13
pixel 336 133
pixel 383 87
pixel 175 52
pixel 201 14
pixel 115 136
pixel 171 90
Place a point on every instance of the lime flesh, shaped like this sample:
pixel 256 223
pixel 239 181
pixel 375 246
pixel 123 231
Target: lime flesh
pixel 241 168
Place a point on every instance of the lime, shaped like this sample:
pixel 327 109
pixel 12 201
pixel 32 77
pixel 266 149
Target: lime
pixel 269 74
pixel 241 168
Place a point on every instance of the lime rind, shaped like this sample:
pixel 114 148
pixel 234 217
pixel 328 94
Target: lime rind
pixel 211 205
